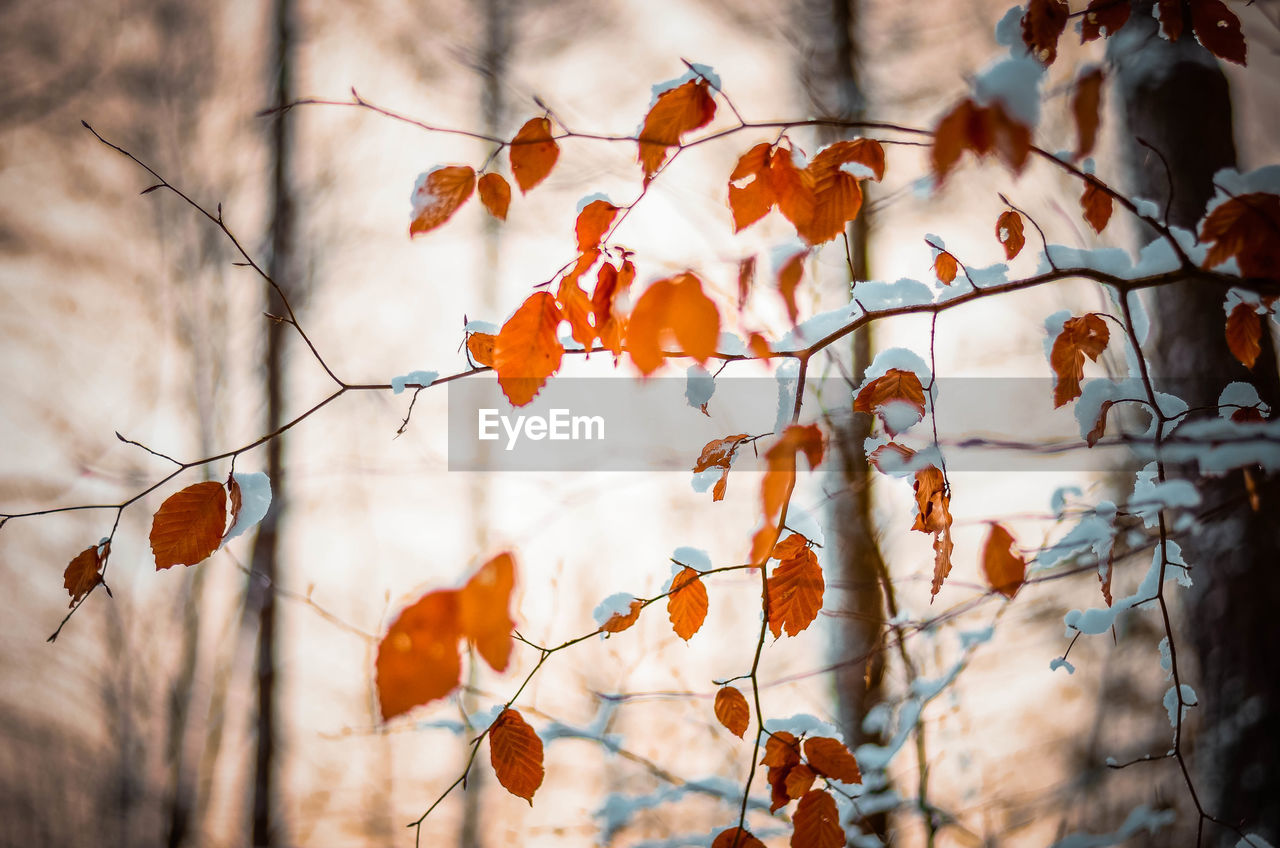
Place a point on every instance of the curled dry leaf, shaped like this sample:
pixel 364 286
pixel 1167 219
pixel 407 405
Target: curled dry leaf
pixel 515 752
pixel 533 153
pixel 894 386
pixel 1002 563
pixel 189 525
pixel 933 505
pixel 732 710
pixel 495 194
pixel 1244 334
pixel 795 593
pixel 1099 426
pixel 677 111
pixel 619 622
pixel 1080 337
pixel 1009 233
pixel 527 350
pixel 719 453
pixel 687 603
pixel 831 758
pixel 439 194
pixel 85 571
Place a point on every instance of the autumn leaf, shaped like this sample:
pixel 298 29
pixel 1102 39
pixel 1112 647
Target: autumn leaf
pixel 1096 204
pixel 527 350
pixel 677 111
pixel 1103 15
pixel 533 153
pixel 880 457
pixel 732 710
pixel 780 477
pixel 236 500
pixel 1009 233
pixel 799 780
pixel 480 346
pixel 893 387
pixel 85 571
pixel 781 750
pixel 837 197
pixel 759 346
pixel 788 280
pixel 736 838
pixel 1218 29
pixel 687 603
pixel 817 822
pixel 438 194
pixel 933 515
pixel 746 280
pixel 418 659
pixel 577 309
pixel 1248 228
pixel 1080 337
pixel 945 267
pixel 189 525
pixel 495 194
pixel 832 759
pixel 516 754
pixel 1099 426
pixel 719 453
pixel 619 622
pixel 983 130
pixel 1086 106
pixel 1002 563
pixel 593 222
pixel 751 193
pixel 1169 13
pixel 484 617
pixel 790 547
pixel 1244 334
pixel 674 306
pixel 1042 25
pixel 795 593
pixel 793 187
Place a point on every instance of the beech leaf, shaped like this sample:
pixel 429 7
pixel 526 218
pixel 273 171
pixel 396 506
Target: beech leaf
pixel 677 111
pixel 189 525
pixel 732 710
pixel 516 754
pixel 84 572
pixel 439 194
pixel 795 593
pixel 1002 564
pixel 527 350
pixel 495 194
pixel 533 153
pixel 687 603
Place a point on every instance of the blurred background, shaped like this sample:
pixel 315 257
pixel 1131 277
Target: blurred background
pixel 232 703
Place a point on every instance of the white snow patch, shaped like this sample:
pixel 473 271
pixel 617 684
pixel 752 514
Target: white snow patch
pixel 616 604
pixel 1014 83
pixel 700 386
pixel 417 378
pixel 787 376
pixel 1140 818
pixel 1061 662
pixel 1240 395
pixel 695 558
pixel 802 521
pixel 255 500
pixel 592 198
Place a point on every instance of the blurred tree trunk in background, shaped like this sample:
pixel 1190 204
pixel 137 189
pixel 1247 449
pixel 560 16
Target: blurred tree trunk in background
pixel 1175 98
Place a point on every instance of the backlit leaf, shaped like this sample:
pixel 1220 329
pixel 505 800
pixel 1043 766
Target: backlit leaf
pixel 1042 24
pixel 837 197
pixel 189 525
pixel 484 616
pixel 832 759
pixel 983 130
pixel 881 459
pixel 85 571
pixel 792 187
pixel 1009 233
pixel 1103 17
pixel 789 547
pixel 1086 105
pixel 945 267
pixel 781 750
pixel 719 453
pixel 418 659
pixel 677 111
pixel 1244 334
pixel 1002 564
pixel 687 603
pixel 795 593
pixel 495 194
pixel 516 754
pixel 799 780
pixel 933 515
pixel 593 222
pixel 439 194
pixel 1218 29
pixel 1247 227
pixel 480 346
pixel 527 350
pixel 577 309
pixel 1169 13
pixel 751 193
pixel 619 622
pixel 779 478
pixel 895 386
pixel 817 822
pixel 732 710
pixel 788 280
pixel 673 307
pixel 1080 337
pixel 533 153
pixel 1096 205
pixel 736 838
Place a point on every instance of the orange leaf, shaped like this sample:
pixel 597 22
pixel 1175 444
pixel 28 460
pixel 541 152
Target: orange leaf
pixel 736 838
pixel 438 195
pixel 533 153
pixel 1080 337
pixel 593 222
pixel 418 659
pixel 983 130
pixel 1170 16
pixel 1247 227
pixel 789 279
pixel 718 453
pixel 480 346
pixel 1100 426
pixel 877 456
pixel 527 350
pixel 189 525
pixel 236 499
pixel 781 750
pixel 677 111
pixel 1002 563
pixel 1042 24
pixel 484 616
pixel 1244 334
pixel 799 780
pixel 945 268
pixel 687 603
pixel 677 307
pixel 759 346
pixel 1218 29
pixel 495 194
pixel 1103 14
pixel 751 193
pixel 933 515
pixel 817 822
pixel 795 593
pixel 577 309
pixel 619 622
pixel 1087 105
pixel 895 386
pixel 790 547
pixel 792 187
pixel 1096 204
pixel 832 759
pixel 85 571
pixel 780 477
pixel 1009 233
pixel 516 754
pixel 732 710
pixel 836 194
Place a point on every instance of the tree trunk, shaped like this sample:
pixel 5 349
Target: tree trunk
pixel 1175 98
